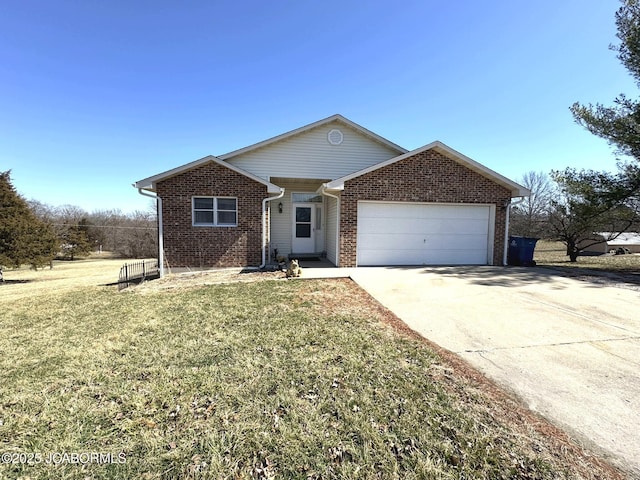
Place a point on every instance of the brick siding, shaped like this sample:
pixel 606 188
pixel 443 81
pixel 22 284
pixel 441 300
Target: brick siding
pixel 189 246
pixel 425 177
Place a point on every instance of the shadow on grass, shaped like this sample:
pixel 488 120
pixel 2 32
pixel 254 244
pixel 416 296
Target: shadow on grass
pixel 12 282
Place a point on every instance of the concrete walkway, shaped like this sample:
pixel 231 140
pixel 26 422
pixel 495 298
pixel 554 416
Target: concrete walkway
pixel 569 349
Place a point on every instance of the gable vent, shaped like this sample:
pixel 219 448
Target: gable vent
pixel 335 137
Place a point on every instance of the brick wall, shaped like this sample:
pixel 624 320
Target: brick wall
pixel 425 177
pixel 189 246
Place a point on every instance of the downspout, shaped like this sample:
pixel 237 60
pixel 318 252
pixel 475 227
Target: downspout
pixel 506 229
pixel 160 231
pixel 323 191
pixel 264 226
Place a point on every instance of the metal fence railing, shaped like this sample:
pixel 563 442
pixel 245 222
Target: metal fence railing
pixel 137 272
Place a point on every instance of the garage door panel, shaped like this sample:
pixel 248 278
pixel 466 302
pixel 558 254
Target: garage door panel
pixel 390 241
pixel 447 226
pixel 446 211
pixel 419 241
pixel 386 224
pixel 433 257
pixel 422 226
pixel 417 234
pixel 389 210
pixel 416 210
pixel 457 242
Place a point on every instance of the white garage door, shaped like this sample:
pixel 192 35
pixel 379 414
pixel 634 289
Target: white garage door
pixel 423 234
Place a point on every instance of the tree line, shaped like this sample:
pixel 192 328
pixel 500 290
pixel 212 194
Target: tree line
pixel 34 233
pixel 131 235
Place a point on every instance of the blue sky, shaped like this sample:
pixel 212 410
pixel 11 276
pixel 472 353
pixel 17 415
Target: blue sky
pixel 97 95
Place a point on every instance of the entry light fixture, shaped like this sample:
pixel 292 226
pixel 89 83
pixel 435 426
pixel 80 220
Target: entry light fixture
pixel 280 207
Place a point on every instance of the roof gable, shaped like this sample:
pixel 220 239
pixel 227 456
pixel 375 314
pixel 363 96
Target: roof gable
pixel 150 182
pixel 329 150
pixel 515 189
pixel 333 118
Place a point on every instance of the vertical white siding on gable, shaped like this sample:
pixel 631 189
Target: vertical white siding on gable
pixel 311 155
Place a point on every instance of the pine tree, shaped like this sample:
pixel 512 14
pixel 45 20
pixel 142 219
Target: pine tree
pixel 620 124
pixel 600 201
pixel 24 239
pixel 75 242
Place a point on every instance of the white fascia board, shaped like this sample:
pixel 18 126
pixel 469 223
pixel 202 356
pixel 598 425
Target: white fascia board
pixel 297 131
pixel 516 190
pixel 150 182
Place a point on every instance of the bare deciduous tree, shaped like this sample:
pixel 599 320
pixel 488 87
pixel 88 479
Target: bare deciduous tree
pixel 132 235
pixel 529 218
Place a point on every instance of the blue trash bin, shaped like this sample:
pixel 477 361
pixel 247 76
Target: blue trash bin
pixel 521 251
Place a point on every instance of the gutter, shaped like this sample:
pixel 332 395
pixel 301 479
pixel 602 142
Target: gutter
pixel 160 231
pixel 264 226
pixel 506 229
pixel 323 191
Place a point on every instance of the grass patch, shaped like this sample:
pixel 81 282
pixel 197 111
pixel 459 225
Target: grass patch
pixel 65 276
pixel 554 254
pixel 273 379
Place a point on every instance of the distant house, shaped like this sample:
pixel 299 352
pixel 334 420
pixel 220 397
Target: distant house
pixel 608 241
pixel 337 190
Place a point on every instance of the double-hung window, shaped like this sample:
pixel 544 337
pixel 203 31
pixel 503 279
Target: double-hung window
pixel 215 212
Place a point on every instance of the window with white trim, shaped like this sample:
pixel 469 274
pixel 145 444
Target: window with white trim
pixel 215 212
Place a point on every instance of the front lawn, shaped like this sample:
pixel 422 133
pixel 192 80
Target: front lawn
pixel 274 379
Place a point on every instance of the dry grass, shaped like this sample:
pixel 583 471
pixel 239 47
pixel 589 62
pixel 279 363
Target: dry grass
pixel 65 276
pixel 272 379
pixel 549 253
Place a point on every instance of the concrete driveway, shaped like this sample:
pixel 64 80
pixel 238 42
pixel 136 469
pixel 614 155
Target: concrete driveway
pixel 569 349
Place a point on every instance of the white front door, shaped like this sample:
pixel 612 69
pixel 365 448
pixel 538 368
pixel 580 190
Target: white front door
pixel 304 228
